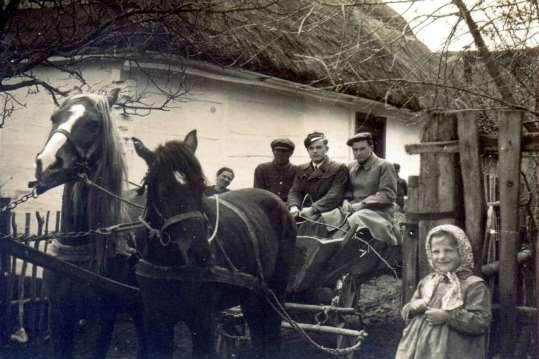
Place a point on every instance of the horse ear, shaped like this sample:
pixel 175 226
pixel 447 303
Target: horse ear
pixel 144 152
pixel 113 96
pixel 191 140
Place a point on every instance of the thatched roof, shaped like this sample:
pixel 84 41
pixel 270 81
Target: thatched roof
pixel 349 49
pixel 365 49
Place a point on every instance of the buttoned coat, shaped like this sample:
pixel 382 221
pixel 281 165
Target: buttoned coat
pixel 324 187
pixel 274 178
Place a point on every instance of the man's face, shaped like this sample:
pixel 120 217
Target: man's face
pixel 317 151
pixel 281 156
pixel 362 150
pixel 224 179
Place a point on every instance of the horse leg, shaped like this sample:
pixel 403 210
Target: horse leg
pixel 107 318
pixel 160 334
pixel 202 326
pixel 62 325
pixel 138 321
pixel 264 325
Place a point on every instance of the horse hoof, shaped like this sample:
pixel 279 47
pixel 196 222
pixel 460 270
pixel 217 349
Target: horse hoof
pixel 20 336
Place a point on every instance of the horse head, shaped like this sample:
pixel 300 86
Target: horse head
pixel 176 184
pixel 81 128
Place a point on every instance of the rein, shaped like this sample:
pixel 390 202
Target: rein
pixel 158 233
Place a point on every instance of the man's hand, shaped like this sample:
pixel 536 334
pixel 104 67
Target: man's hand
pixel 436 316
pixel 357 206
pixel 294 211
pixel 308 212
pixel 347 207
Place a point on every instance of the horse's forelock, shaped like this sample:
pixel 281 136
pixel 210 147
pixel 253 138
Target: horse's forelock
pixel 176 156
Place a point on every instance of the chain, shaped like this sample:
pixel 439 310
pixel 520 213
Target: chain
pixel 20 200
pixel 102 231
pixel 84 178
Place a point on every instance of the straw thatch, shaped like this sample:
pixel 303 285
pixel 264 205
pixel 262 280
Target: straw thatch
pixel 360 47
pixel 365 50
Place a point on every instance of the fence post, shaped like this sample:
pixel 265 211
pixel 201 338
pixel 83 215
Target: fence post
pixel 509 149
pixel 5 269
pixel 410 243
pixel 438 199
pixel 472 181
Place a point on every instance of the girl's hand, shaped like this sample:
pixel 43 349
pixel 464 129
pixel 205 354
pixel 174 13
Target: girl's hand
pixel 414 307
pixel 436 316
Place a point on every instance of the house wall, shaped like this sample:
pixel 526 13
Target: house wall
pixel 235 124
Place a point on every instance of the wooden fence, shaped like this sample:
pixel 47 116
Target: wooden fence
pixel 23 300
pixel 450 189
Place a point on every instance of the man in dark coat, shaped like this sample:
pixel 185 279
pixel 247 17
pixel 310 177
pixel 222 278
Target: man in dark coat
pixel 319 185
pixel 278 175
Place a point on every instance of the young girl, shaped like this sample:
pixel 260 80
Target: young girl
pixel 449 312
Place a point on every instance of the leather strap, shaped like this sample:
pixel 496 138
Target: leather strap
pixel 252 234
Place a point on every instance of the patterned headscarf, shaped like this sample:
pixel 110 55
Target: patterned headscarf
pixel 453 297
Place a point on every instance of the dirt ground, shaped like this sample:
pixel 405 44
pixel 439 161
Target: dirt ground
pixel 379 304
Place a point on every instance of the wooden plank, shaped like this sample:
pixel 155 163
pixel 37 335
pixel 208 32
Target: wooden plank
pixel 43 305
pixel 410 244
pixel 325 329
pixel 438 180
pixel 509 146
pixel 432 147
pixel 492 268
pixel 34 283
pixel 487 144
pixel 472 180
pixel 4 271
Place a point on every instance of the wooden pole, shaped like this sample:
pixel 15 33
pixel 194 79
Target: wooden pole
pixel 4 271
pixel 472 180
pixel 438 195
pixel 410 244
pixel 509 147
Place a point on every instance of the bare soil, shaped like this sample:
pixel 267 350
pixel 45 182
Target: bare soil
pixel 379 304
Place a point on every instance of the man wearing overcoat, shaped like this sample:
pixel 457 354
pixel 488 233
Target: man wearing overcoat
pixel 278 175
pixel 372 191
pixel 320 184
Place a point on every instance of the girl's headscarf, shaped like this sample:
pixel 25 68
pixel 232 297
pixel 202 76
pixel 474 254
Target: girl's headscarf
pixel 453 297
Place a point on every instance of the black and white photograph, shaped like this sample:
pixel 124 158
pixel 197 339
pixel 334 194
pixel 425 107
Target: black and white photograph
pixel 269 179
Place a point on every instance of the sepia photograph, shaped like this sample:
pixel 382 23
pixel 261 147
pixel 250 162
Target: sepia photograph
pixel 269 179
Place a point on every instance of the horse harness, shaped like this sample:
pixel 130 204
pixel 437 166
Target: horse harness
pixel 213 273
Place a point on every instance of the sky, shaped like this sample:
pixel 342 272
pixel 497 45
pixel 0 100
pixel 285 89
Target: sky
pixel 434 31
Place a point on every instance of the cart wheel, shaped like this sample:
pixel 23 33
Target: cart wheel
pixel 347 298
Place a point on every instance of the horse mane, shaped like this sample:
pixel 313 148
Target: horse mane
pixel 176 156
pixel 110 170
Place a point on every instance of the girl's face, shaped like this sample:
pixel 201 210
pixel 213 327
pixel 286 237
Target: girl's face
pixel 445 254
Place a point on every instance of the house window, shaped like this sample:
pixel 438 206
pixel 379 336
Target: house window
pixel 366 122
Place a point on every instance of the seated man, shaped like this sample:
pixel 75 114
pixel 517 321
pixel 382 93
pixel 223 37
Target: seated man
pixel 319 185
pixel 278 175
pixel 371 192
pixel 224 177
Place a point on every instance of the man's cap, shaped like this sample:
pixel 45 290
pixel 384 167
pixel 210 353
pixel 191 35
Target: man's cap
pixel 313 137
pixel 361 136
pixel 282 144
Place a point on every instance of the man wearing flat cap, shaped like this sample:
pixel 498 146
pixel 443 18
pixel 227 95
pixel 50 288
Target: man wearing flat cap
pixel 278 175
pixel 372 191
pixel 320 184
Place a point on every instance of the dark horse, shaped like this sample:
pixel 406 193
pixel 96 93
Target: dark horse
pixel 83 140
pixel 254 234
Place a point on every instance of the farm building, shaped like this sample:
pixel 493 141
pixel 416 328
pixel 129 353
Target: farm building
pixel 240 102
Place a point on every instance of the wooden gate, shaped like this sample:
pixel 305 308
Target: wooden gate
pixel 450 189
pixel 23 300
